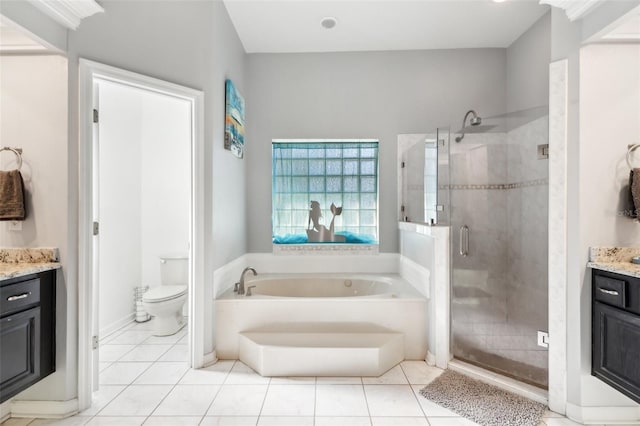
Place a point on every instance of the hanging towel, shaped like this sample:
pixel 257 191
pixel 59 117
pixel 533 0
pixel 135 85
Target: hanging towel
pixel 634 186
pixel 12 205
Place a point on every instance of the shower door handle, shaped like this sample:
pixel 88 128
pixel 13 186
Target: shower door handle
pixel 464 241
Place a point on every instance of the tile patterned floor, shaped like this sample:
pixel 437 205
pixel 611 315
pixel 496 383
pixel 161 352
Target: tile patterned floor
pixel 145 380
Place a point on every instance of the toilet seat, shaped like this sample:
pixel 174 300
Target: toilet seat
pixel 164 293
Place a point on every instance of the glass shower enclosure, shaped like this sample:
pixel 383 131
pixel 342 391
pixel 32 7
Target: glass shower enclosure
pixel 424 193
pixel 499 207
pixel 491 188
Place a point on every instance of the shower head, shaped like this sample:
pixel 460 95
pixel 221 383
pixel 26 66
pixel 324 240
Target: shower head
pixel 475 121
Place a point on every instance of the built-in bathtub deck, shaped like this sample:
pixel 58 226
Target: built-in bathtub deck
pixel 321 349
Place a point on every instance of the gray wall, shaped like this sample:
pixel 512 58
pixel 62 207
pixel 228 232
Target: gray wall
pixel 204 52
pixel 528 67
pixel 360 95
pixel 139 38
pixel 201 55
pixel 50 33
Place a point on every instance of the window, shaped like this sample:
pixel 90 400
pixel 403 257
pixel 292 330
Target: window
pixel 325 191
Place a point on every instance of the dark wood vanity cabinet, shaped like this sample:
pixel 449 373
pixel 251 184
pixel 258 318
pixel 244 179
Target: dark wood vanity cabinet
pixel 27 331
pixel 616 331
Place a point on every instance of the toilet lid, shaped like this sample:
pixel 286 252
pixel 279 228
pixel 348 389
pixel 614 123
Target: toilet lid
pixel 164 292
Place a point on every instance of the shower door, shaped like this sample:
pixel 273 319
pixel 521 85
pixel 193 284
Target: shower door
pixel 498 200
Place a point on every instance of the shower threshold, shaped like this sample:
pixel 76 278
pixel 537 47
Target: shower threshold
pixel 526 390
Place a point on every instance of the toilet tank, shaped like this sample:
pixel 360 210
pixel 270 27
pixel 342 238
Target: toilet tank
pixel 174 270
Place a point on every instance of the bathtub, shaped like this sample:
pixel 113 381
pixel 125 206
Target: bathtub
pixel 286 301
pixel 322 286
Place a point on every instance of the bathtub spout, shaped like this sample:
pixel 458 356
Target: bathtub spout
pixel 241 283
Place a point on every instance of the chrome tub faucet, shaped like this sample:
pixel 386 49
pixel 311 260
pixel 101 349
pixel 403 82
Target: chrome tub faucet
pixel 240 285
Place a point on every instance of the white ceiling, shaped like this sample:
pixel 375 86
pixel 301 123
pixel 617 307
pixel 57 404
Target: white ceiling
pixel 365 25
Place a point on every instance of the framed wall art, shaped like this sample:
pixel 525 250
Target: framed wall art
pixel 234 120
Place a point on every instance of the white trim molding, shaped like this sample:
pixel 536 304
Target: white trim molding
pixel 558 234
pixel 5 410
pixel 69 13
pixel 603 415
pixel 575 9
pixel 90 73
pixel 209 359
pixel 115 326
pixel 44 409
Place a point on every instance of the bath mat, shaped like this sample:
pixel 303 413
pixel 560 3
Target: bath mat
pixel 482 403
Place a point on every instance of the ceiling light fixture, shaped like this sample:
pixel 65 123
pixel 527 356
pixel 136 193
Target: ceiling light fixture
pixel 328 22
pixel 499 1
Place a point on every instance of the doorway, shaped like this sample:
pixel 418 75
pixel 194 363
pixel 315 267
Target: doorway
pixel 141 202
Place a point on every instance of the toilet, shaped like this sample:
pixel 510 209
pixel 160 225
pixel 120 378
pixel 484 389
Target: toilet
pixel 165 302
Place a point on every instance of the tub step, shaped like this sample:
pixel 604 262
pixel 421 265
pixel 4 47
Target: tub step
pixel 321 349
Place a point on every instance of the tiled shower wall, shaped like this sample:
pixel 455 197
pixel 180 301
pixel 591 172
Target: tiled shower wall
pixel 499 190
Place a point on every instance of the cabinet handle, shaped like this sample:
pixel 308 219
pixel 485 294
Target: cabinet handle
pixel 18 296
pixel 609 292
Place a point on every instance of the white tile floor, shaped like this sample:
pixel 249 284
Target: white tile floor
pixel 145 380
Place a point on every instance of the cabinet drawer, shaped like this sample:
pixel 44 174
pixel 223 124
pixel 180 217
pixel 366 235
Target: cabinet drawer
pixel 611 291
pixel 16 297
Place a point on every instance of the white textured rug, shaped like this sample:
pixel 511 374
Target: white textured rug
pixel 482 403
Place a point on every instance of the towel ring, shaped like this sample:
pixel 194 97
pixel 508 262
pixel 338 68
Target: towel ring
pixel 17 152
pixel 631 149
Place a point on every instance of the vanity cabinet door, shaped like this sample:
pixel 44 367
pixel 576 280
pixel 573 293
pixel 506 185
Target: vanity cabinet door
pixel 616 349
pixel 20 354
pixel 28 331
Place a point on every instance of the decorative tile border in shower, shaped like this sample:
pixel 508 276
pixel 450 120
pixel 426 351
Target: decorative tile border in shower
pixel 499 186
pixel 29 255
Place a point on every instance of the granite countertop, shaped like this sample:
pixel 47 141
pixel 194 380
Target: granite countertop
pixel 18 262
pixel 615 259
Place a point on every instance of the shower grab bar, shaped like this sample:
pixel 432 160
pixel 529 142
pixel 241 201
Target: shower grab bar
pixel 464 241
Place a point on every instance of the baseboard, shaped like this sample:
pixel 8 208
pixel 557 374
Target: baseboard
pixel 209 359
pixel 5 410
pixel 116 325
pixel 44 409
pixel 430 359
pixel 415 274
pixel 500 381
pixel 603 415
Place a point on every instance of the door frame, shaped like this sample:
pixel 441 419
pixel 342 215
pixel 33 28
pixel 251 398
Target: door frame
pixel 89 73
